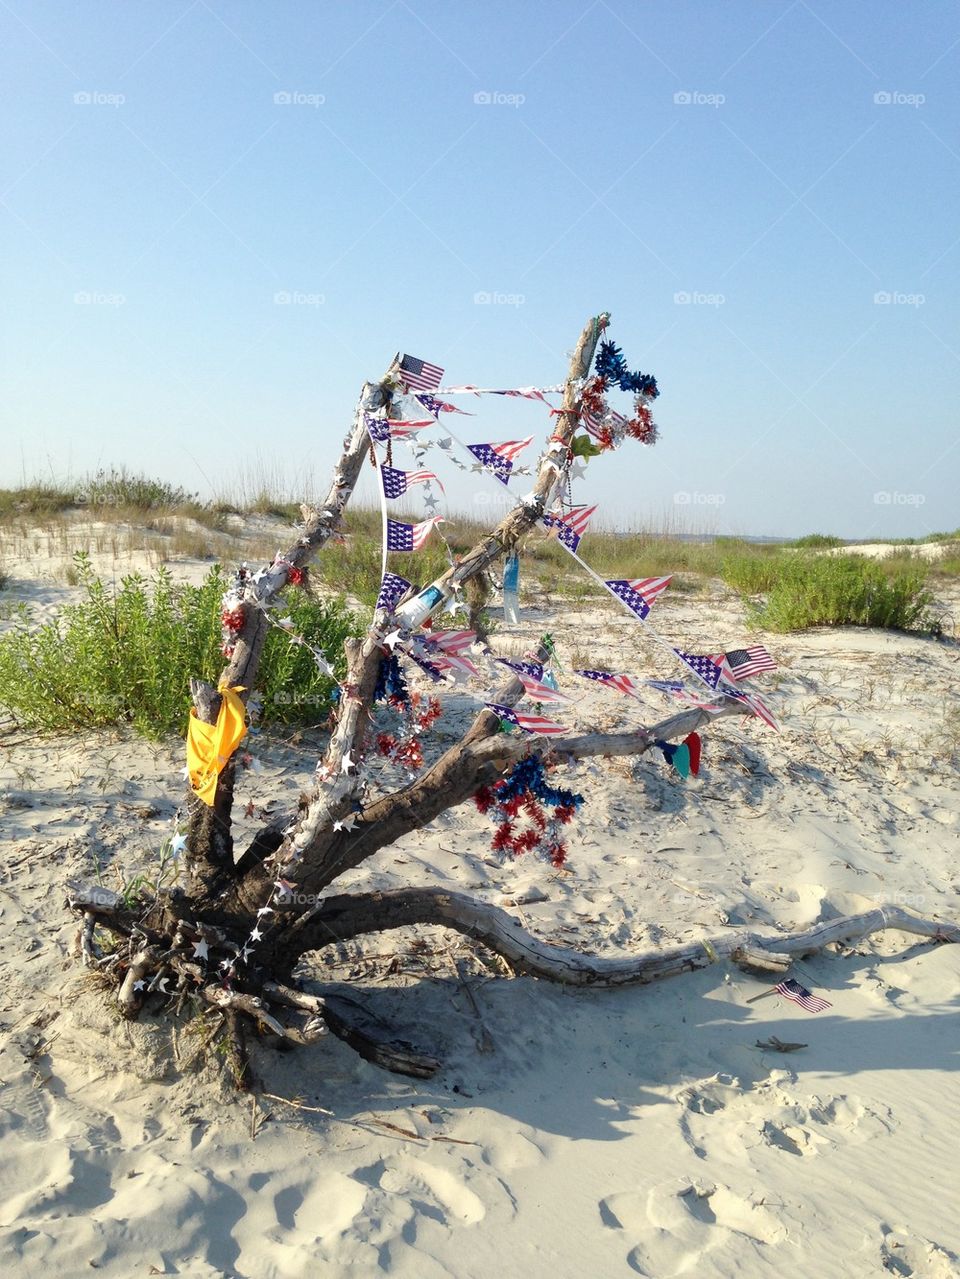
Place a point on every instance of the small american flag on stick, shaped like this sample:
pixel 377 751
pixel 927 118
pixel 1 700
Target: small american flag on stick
pixel 791 989
pixel 741 663
pixel 419 375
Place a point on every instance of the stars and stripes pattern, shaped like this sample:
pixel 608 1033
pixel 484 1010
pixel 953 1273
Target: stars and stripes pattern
pixel 790 988
pixel 639 593
pixel 705 667
pixel 533 669
pixel 409 537
pixel 450 641
pixel 541 692
pixel 622 683
pixel 742 663
pixel 499 458
pixel 436 407
pixel 570 526
pixel 429 667
pixel 383 429
pixel 534 724
pixel 675 689
pixel 598 427
pixel 419 375
pixel 392 588
pixel 396 482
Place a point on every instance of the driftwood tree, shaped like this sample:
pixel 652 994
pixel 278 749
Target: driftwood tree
pixel 234 935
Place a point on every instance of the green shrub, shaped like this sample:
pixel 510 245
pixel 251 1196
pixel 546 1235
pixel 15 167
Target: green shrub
pixel 847 590
pixel 121 488
pixel 126 655
pixel 817 542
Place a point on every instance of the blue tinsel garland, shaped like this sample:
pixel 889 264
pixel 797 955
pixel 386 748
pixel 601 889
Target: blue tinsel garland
pixel 390 681
pixel 528 775
pixel 612 367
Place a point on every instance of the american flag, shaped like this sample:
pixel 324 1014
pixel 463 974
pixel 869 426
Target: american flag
pixel 570 526
pixel 409 537
pixel 791 989
pixel 677 690
pixel 761 711
pixel 525 393
pixel 529 723
pixel 622 683
pixel 500 457
pixel 541 692
pixel 396 483
pixel 534 669
pixel 429 667
pixel 595 425
pixel 638 593
pixel 741 663
pixel 383 429
pixel 708 670
pixel 450 641
pixel 418 375
pixel 453 662
pixel 392 588
pixel 436 407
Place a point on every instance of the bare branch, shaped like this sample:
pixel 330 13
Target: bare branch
pixel 349 916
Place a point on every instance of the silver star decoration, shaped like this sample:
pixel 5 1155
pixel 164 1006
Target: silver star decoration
pixel 578 470
pixel 201 950
pixel 452 604
pixel 347 763
pixel 346 823
pixel 265 910
pixel 256 935
pixel 139 985
pixel 430 503
pixel 392 640
pixel 178 844
pixel 478 468
pixel 244 954
pixel 445 444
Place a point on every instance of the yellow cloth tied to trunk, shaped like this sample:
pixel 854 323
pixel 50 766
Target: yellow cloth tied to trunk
pixel 209 746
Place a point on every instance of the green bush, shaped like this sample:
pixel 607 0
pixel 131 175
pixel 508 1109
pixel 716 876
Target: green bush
pixel 817 542
pixel 847 590
pixel 126 655
pixel 121 488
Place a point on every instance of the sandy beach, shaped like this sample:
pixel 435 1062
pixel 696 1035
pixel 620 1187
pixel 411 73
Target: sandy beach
pixel 643 1131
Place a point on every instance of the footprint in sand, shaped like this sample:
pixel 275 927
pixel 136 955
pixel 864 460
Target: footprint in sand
pixel 906 1253
pixel 770 1115
pixel 678 1228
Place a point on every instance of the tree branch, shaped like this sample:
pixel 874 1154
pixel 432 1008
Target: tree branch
pixel 343 917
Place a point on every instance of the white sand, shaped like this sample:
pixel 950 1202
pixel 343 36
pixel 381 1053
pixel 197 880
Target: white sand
pixel 619 1133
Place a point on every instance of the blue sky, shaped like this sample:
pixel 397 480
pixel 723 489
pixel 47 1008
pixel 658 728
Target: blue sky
pixel 783 166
